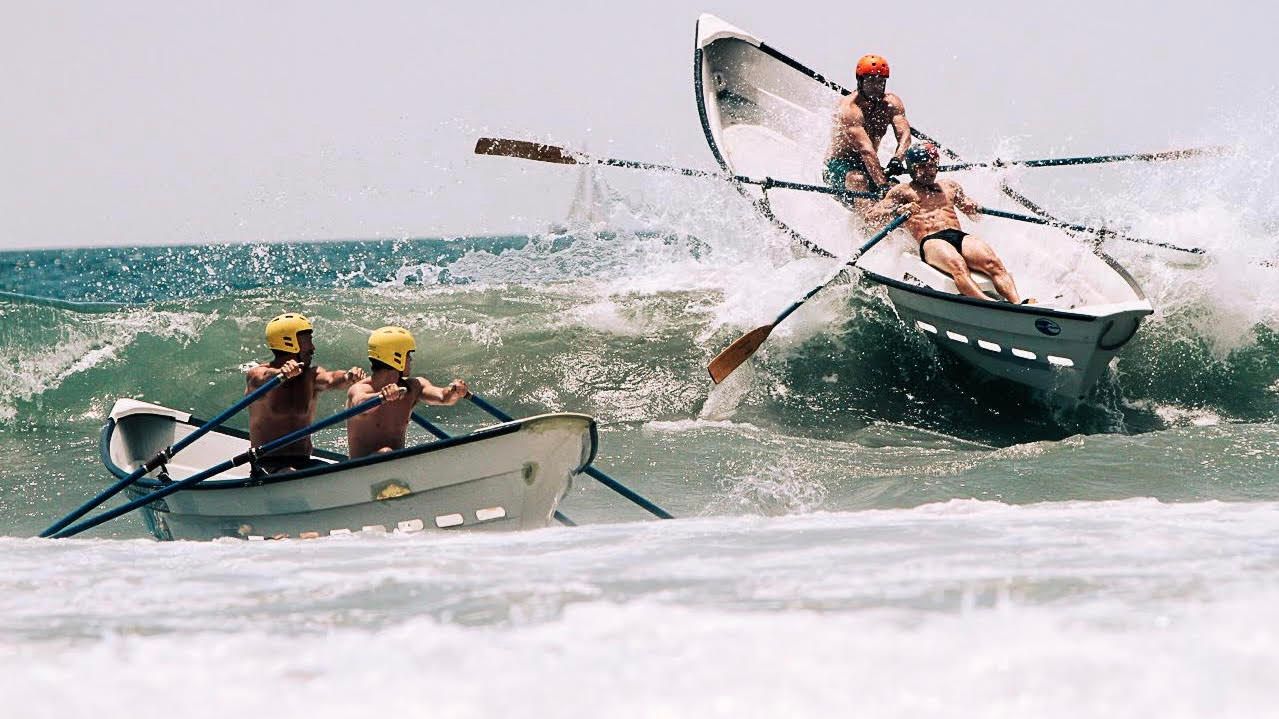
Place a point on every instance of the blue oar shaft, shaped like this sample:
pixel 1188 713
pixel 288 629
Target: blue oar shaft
pixel 1093 159
pixel 163 456
pixel 625 491
pixel 483 404
pixel 604 479
pixel 235 461
pixel 427 425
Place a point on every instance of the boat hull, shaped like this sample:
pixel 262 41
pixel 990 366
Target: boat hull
pixel 1057 352
pixel 506 477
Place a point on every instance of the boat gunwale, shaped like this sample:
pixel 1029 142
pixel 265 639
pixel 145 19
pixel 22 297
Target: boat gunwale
pixel 491 432
pixel 1038 310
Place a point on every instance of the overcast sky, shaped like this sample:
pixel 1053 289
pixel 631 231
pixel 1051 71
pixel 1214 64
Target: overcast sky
pixel 163 122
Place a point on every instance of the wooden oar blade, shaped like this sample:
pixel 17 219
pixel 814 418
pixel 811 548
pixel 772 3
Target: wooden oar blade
pixel 737 353
pixel 505 147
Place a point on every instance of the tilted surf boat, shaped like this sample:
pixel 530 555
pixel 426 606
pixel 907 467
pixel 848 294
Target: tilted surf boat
pixel 766 115
pixel 507 476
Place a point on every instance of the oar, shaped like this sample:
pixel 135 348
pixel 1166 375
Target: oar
pixel 440 434
pixel 1024 201
pixel 163 456
pixel 551 153
pixel 1216 150
pixel 604 479
pixel 1082 228
pixel 242 458
pixel 538 152
pixel 738 352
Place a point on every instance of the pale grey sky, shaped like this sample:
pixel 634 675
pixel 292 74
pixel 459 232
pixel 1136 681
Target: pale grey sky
pixel 161 122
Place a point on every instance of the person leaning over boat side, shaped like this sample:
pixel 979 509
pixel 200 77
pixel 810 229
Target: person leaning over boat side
pixel 382 429
pixel 291 406
pixel 934 223
pixel 861 121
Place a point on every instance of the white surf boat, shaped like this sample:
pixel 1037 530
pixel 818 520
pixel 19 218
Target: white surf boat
pixel 504 477
pixel 766 115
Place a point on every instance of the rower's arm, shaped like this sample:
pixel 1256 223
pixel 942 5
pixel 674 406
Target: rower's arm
pixel 964 203
pixel 901 127
pixel 894 203
pixel 258 376
pixel 337 379
pixel 447 396
pixel 261 374
pixel 361 392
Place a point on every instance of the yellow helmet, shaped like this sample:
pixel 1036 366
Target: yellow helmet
pixel 391 346
pixel 282 332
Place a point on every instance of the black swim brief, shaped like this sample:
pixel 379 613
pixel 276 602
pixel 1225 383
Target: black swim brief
pixel 837 169
pixel 954 237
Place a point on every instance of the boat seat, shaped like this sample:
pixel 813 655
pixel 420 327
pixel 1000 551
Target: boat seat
pixel 939 280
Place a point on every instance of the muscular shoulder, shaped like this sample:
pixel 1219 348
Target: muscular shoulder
pixel 901 192
pixel 951 187
pixel 359 390
pixel 259 374
pixel 894 103
pixel 849 113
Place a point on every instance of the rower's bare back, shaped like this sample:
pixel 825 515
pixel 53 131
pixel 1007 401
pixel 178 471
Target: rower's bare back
pixel 287 408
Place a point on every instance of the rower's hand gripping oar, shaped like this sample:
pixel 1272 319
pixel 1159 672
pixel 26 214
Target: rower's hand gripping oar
pixel 163 456
pixel 242 458
pixel 604 479
pixel 1081 228
pixel 440 434
pixel 1214 151
pixel 741 350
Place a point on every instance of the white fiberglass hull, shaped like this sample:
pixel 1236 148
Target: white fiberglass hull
pixel 505 477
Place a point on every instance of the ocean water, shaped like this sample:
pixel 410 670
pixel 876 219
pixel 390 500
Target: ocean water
pixel 864 527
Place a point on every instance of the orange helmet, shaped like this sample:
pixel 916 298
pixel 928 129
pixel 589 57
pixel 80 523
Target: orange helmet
pixel 872 66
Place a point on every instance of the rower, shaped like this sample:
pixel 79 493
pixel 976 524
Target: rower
pixel 383 428
pixel 935 225
pixel 861 121
pixel 291 406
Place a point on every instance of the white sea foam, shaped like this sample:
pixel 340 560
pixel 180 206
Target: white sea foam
pixel 1129 608
pixel 693 425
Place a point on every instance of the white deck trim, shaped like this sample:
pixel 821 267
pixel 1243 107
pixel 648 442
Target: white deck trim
pixel 711 28
pixel 125 407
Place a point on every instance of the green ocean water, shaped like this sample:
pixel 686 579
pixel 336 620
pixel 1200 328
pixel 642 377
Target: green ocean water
pixel 861 522
pixel 850 416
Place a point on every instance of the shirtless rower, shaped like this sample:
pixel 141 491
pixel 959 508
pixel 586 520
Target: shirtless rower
pixel 934 223
pixel 861 121
pixel 382 428
pixel 291 406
